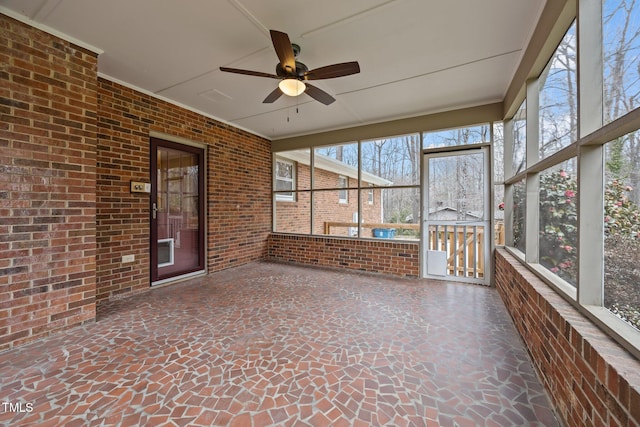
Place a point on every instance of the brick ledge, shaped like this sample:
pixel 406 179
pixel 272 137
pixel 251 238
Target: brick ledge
pixel 589 376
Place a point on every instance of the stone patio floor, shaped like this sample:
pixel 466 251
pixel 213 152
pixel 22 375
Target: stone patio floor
pixel 276 344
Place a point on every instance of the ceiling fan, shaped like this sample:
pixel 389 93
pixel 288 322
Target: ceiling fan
pixel 293 75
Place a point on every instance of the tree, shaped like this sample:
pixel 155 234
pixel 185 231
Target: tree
pixel 558 98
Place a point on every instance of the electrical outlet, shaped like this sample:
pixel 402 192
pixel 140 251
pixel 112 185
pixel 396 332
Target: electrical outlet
pixel 140 187
pixel 128 258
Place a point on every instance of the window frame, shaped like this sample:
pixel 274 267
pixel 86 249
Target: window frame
pixel 285 195
pixel 343 192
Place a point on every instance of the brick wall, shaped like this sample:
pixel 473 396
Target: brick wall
pixel 47 183
pixel 397 258
pixel 591 380
pixel 238 187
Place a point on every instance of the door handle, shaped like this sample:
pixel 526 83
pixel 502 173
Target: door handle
pixel 154 210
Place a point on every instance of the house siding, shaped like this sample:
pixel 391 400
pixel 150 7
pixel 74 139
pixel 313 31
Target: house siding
pixel 48 104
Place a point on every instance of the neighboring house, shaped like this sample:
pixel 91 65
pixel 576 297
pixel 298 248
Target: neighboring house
pixel 332 204
pixel 447 213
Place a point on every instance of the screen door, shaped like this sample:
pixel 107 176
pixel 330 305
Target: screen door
pixel 456 214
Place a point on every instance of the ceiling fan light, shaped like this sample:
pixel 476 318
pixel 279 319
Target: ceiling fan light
pixel 292 87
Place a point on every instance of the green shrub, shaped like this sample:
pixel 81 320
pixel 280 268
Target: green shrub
pixel 559 224
pixel 558 220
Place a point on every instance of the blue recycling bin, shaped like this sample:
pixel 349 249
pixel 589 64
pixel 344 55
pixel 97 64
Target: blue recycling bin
pixel 384 233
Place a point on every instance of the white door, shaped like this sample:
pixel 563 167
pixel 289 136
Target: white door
pixel 456 214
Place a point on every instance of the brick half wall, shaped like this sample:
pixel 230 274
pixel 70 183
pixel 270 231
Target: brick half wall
pixel 388 257
pixel 591 380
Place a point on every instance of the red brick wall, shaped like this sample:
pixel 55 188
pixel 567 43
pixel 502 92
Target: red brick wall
pixel 238 187
pixel 47 183
pixel 400 259
pixel 591 380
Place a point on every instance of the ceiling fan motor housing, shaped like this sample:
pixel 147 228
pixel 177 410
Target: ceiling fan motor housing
pixel 301 69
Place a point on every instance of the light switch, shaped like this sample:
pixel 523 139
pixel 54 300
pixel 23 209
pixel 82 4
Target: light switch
pixel 140 187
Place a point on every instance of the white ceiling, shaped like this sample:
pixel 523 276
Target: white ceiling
pixel 416 56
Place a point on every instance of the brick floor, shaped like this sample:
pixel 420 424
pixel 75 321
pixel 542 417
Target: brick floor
pixel 272 344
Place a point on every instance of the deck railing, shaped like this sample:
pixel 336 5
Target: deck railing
pixel 463 246
pixel 462 243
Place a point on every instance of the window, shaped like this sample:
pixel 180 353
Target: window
pixel 343 195
pixel 518 224
pixel 558 242
pixel 520 139
pixel 331 218
pixel 621 51
pixel 332 161
pixel 292 176
pixel 392 165
pixel 498 188
pixel 622 228
pixel 459 136
pixel 498 153
pixel 396 208
pixel 370 194
pixel 285 180
pixel 558 103
pixel 335 190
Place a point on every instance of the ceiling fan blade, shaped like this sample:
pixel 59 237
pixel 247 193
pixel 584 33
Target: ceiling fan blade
pixel 248 72
pixel 277 93
pixel 282 45
pixel 335 70
pixel 319 94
